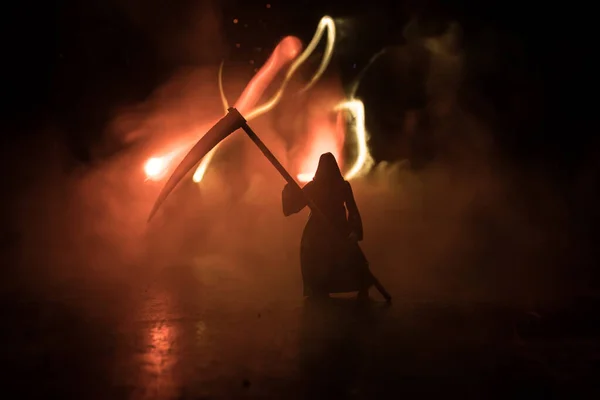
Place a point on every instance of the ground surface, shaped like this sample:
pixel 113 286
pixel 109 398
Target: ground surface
pixel 165 336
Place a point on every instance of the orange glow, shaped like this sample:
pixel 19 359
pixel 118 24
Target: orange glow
pixel 330 140
pixel 325 137
pixel 285 52
pixel 155 167
pixel 326 24
pixel 324 143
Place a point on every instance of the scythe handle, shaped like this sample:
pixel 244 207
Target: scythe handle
pixel 313 207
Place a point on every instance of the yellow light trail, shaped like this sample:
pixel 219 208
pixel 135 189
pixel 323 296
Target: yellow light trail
pixel 326 24
pixel 363 161
pixel 155 166
pixel 201 170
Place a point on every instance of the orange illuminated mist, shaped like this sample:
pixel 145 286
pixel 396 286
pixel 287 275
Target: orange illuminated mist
pixel 323 135
pixel 287 50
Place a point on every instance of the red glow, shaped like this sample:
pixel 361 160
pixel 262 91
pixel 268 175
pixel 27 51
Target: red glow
pixel 286 51
pixel 325 136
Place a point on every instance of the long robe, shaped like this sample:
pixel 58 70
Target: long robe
pixel 327 265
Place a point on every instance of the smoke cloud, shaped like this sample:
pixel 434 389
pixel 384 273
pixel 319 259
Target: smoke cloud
pixel 465 225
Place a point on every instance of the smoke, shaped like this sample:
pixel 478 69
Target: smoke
pixel 466 223
pixel 462 226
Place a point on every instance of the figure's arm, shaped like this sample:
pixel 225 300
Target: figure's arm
pixel 354 219
pixel 292 200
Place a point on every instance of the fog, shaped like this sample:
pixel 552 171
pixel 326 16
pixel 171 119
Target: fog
pixel 468 226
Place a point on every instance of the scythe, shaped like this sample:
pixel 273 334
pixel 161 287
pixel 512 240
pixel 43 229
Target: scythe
pixel 225 127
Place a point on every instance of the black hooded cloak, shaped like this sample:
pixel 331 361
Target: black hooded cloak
pixel 327 266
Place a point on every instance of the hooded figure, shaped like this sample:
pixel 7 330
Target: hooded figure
pixel 327 266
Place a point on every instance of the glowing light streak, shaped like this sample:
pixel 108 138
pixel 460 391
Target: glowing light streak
pixel 202 167
pixel 286 51
pixel 201 170
pixel 221 91
pixel 364 160
pixel 157 167
pixel 326 23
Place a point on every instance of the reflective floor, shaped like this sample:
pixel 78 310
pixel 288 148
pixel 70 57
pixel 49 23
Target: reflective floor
pixel 165 336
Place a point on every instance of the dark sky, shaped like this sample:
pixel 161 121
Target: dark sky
pixel 71 62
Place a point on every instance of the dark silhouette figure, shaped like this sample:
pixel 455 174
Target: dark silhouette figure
pixel 327 266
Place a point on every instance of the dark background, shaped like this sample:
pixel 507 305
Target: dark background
pixel 81 321
pixel 70 64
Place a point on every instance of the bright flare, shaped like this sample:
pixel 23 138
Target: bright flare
pixel 201 170
pixel 284 53
pixel 363 161
pixel 325 137
pixel 305 177
pixel 155 168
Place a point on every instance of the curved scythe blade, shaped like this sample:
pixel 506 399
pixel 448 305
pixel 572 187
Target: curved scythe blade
pixel 225 127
